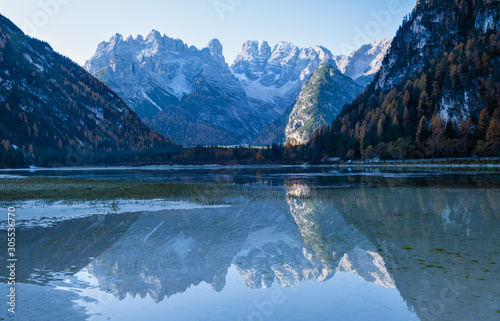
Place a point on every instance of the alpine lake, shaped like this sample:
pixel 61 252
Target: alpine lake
pixel 252 243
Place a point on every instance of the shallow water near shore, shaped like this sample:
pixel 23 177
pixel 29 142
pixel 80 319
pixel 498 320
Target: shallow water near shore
pixel 292 243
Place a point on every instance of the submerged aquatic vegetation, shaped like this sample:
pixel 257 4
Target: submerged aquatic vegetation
pixel 71 189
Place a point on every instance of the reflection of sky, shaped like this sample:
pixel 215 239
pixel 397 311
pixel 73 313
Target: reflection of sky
pixel 344 297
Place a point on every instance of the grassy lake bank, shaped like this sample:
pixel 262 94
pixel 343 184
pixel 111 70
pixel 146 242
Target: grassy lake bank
pixel 75 189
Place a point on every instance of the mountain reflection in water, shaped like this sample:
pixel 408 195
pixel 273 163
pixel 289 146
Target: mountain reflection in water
pixel 438 247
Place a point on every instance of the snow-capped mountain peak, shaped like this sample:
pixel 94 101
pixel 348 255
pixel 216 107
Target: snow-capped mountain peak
pixel 154 35
pixel 363 63
pixel 254 52
pixel 215 47
pixel 276 77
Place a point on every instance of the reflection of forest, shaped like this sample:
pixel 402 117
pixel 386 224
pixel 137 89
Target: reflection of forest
pixel 438 246
pixel 441 246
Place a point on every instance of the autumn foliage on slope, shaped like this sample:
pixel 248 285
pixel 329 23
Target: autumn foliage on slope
pixel 437 95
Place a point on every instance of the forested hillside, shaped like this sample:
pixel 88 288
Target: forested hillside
pixel 437 94
pixel 53 112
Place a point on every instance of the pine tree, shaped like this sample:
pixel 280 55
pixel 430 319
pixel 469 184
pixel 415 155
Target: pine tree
pixel 482 125
pixel 406 119
pixel 424 104
pixel 423 130
pixel 35 130
pixel 6 144
pixel 380 125
pixel 436 141
pixel 259 157
pixel 493 136
pixel 406 99
pixel 464 134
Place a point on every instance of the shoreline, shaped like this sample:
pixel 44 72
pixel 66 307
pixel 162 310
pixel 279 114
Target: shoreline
pixel 403 165
pixel 490 163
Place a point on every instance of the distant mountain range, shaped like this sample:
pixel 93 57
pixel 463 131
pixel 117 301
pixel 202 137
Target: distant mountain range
pixel 194 97
pixel 51 106
pixel 190 94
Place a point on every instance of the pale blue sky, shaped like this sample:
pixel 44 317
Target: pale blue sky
pixel 75 27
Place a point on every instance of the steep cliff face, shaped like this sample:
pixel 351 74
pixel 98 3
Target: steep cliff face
pixel 166 82
pixel 439 35
pixel 155 72
pixel 320 100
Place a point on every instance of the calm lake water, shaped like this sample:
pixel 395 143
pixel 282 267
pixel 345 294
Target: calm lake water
pixel 299 243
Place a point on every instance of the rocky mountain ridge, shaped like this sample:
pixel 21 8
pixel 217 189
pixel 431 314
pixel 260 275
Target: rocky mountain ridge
pixel 194 97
